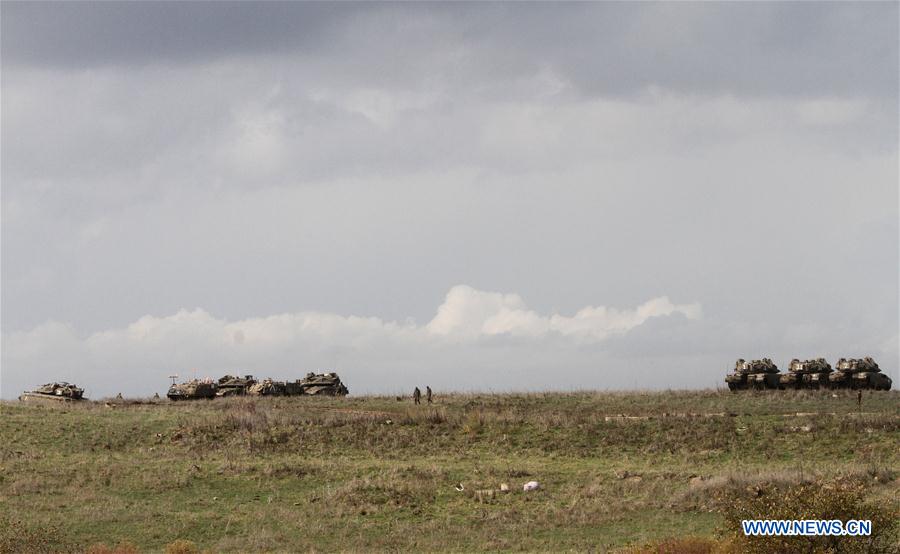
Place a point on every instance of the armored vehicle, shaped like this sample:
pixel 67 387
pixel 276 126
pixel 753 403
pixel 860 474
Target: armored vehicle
pixel 232 385
pixel 267 387
pixel 60 392
pixel 808 374
pixel 756 374
pixel 324 384
pixel 859 373
pixel 193 390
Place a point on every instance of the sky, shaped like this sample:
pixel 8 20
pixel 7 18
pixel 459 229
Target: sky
pixel 471 196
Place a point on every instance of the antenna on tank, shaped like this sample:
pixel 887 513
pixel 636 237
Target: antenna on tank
pixel 173 378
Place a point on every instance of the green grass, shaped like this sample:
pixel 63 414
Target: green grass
pixel 372 473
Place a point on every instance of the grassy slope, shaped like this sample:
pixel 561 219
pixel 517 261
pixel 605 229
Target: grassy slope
pixel 374 473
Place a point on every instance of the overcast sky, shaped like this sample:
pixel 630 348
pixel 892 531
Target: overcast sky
pixel 469 196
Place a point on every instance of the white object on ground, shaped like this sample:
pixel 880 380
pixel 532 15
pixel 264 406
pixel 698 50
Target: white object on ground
pixel 531 486
pixel 504 487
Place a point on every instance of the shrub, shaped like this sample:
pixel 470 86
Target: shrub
pixel 832 500
pixel 15 536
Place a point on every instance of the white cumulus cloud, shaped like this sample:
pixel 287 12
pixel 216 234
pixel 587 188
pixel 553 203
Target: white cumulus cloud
pixel 470 314
pixel 134 357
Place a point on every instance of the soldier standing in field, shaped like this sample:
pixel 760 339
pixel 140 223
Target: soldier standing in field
pixel 428 394
pixel 417 395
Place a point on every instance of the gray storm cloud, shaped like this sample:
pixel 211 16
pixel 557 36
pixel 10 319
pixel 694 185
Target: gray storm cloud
pixel 366 158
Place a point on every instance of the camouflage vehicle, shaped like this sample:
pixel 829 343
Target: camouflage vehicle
pixel 756 374
pixel 862 373
pixel 193 390
pixel 267 387
pixel 808 374
pixel 232 385
pixel 59 392
pixel 323 384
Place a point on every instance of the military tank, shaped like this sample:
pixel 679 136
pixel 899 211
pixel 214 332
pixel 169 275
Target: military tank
pixel 194 389
pixel 232 385
pixel 322 384
pixel 859 373
pixel 755 374
pixel 808 374
pixel 58 392
pixel 267 387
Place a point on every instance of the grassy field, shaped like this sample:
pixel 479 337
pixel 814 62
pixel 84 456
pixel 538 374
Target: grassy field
pixel 617 470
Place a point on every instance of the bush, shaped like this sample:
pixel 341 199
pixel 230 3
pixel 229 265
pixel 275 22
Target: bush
pixel 834 500
pixel 15 536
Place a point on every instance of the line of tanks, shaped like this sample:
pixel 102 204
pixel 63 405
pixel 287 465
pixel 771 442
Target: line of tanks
pixel 853 373
pixel 321 384
pixel 848 373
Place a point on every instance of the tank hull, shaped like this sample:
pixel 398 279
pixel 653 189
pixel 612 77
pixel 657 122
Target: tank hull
pixel 762 381
pixel 324 384
pixel 42 397
pixel 192 391
pixel 753 381
pixel 232 385
pixel 817 380
pixel 231 391
pixel 736 381
pixel 862 380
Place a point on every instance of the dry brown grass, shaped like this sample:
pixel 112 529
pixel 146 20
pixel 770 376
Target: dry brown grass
pixel 684 545
pixel 124 547
pixel 182 546
pixel 17 537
